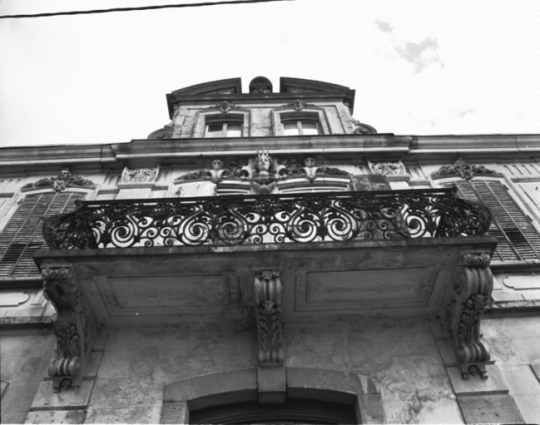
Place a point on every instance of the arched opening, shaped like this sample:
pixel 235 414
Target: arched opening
pixel 307 407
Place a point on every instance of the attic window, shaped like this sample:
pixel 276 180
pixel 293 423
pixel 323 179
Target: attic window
pixel 300 124
pixel 224 125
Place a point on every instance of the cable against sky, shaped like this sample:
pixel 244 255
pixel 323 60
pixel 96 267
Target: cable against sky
pixel 133 9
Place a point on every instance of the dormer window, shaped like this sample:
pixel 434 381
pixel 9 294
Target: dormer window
pixel 300 124
pixel 228 125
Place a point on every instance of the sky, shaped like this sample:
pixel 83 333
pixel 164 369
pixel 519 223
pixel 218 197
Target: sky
pixel 418 66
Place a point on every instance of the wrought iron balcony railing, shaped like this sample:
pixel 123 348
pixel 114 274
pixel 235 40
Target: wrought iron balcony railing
pixel 256 219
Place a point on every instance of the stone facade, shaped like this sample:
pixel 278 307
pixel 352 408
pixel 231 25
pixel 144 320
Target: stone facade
pixel 397 322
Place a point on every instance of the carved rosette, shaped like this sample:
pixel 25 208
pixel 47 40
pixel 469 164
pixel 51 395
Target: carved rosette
pixel 267 291
pixel 470 297
pixel 74 327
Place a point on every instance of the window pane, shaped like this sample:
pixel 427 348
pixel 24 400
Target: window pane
pixel 234 130
pixel 291 128
pixel 309 127
pixel 214 130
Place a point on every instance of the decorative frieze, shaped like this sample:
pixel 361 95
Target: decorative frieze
pixel 60 183
pixel 470 297
pixel 74 328
pixel 462 169
pixel 140 175
pixel 268 295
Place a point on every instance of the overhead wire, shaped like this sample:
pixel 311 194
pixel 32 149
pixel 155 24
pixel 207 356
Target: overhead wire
pixel 132 9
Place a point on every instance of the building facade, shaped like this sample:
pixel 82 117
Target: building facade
pixel 268 258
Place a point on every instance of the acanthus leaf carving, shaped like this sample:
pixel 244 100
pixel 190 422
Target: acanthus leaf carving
pixel 463 313
pixel 267 294
pixel 74 328
pixel 463 170
pixel 60 182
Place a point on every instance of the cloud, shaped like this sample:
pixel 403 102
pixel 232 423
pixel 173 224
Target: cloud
pixel 384 26
pixel 420 54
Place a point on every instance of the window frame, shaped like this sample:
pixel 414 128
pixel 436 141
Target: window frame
pixel 308 114
pixel 204 118
pixel 16 201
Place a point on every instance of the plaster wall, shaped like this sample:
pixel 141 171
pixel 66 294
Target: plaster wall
pixel 395 360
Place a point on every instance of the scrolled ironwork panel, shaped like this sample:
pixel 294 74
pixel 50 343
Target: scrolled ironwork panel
pixel 257 219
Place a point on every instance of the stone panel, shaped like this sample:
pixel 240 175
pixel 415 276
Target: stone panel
pixel 136 414
pixel 122 393
pixel 494 408
pixel 127 296
pixel 477 386
pixel 174 412
pixel 56 417
pixel 73 398
pixel 364 289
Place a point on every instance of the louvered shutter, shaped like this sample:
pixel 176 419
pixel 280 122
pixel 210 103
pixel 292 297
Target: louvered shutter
pixel 22 236
pixel 517 238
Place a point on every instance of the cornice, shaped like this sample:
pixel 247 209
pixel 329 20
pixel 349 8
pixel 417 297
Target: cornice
pixel 153 151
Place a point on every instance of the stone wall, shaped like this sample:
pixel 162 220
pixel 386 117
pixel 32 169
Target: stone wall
pixel 25 355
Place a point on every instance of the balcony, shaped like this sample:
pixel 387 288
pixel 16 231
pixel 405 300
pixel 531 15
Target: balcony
pixel 281 258
pixel 270 219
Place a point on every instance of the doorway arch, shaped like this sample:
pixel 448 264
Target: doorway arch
pixel 308 396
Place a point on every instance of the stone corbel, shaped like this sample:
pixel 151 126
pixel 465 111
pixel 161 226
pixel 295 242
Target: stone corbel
pixel 471 294
pixel 75 327
pixel 267 292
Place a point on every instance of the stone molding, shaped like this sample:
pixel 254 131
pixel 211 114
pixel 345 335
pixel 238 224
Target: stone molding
pixel 388 168
pixel 470 297
pixel 75 327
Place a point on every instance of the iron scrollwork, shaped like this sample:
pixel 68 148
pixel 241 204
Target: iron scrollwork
pixel 257 219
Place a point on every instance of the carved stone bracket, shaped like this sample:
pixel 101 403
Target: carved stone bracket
pixel 470 296
pixel 267 293
pixel 74 328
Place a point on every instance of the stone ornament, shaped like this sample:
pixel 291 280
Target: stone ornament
pixel 224 106
pixel 388 168
pixel 463 170
pixel 220 170
pixel 298 105
pixel 140 175
pixel 361 128
pixel 268 295
pixel 471 296
pixel 60 183
pixel 263 172
pixel 74 328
